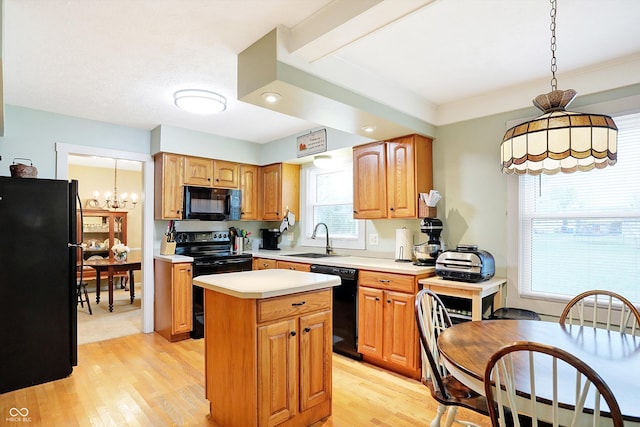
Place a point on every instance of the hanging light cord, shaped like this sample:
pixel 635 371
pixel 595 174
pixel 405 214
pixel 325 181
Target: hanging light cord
pixel 554 66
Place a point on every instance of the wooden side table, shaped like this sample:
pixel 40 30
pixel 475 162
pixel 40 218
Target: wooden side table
pixel 475 292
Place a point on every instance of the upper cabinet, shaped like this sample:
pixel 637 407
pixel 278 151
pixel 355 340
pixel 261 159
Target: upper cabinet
pixel 249 187
pixel 268 192
pixel 168 193
pixel 203 172
pixel 198 171
pixel 389 175
pixel 280 191
pixel 226 174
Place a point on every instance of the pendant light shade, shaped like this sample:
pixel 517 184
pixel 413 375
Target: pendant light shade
pixel 559 140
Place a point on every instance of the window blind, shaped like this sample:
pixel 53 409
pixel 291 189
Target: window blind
pixel 581 231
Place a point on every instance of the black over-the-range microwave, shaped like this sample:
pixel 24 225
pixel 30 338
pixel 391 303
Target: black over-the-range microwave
pixel 211 204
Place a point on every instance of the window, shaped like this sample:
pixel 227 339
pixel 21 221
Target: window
pixel 581 231
pixel 329 199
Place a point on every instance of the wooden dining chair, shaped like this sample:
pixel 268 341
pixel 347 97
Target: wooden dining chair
pixel 531 369
pixel 432 319
pixel 621 314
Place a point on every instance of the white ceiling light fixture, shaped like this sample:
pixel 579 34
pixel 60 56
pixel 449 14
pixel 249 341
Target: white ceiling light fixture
pixel 271 97
pixel 200 101
pixel 559 140
pixel 322 161
pixel 368 128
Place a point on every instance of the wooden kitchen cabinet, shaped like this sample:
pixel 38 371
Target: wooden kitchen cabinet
pixel 168 182
pixel 203 172
pixel 226 174
pixel 264 263
pixel 173 296
pixel 279 191
pixel 298 266
pixel 387 333
pixel 389 175
pixel 249 187
pixel 198 171
pixel 280 353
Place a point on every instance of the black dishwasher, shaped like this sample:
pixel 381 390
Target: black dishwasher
pixel 345 310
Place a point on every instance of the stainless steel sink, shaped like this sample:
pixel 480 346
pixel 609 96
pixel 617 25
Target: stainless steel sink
pixel 311 255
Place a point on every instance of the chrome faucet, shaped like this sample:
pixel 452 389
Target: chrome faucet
pixel 313 236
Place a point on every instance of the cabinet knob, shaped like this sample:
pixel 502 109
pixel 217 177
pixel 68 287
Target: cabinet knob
pixel 390 209
pixel 293 333
pixel 388 301
pixel 307 329
pixel 384 280
pixel 377 299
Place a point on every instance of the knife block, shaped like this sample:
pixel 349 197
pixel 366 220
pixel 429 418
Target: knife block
pixel 167 248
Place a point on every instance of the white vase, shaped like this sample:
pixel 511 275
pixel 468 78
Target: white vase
pixel 120 256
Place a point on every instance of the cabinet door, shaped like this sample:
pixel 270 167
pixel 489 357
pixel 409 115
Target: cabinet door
pixel 369 181
pixel 316 344
pixel 277 372
pixel 198 171
pixel 370 311
pixel 225 174
pixel 169 173
pixel 182 298
pixel 271 192
pixel 401 188
pixel 249 187
pixel 297 266
pixel 399 329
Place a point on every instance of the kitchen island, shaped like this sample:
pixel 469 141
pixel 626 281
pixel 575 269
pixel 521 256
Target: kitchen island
pixel 268 347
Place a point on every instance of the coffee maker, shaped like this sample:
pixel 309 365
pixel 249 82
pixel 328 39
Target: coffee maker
pixel 426 253
pixel 270 238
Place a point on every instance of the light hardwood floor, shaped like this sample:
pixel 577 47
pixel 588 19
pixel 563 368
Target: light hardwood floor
pixel 143 380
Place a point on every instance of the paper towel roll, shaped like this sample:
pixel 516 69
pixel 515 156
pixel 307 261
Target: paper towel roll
pixel 404 244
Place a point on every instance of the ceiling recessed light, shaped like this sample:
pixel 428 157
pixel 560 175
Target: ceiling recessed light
pixel 200 101
pixel 271 97
pixel 368 128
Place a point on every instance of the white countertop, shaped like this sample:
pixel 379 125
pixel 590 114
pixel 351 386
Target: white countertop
pixel 172 258
pixel 258 284
pixel 363 263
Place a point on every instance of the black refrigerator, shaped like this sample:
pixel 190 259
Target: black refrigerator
pixel 38 337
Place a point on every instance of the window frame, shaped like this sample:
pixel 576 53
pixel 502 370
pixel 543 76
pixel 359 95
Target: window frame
pixel 526 297
pixel 308 174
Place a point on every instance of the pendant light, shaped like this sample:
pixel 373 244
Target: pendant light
pixel 559 140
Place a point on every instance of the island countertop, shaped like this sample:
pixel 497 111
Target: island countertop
pixel 258 284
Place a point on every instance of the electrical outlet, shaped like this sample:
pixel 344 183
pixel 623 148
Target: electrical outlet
pixel 290 236
pixel 373 239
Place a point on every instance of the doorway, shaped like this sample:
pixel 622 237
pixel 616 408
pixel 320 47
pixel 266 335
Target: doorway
pixel 109 191
pixel 145 206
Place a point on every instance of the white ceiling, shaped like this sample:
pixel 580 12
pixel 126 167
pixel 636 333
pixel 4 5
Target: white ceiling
pixel 120 61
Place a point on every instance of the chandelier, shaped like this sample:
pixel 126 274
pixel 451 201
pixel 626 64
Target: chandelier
pixel 114 201
pixel 559 140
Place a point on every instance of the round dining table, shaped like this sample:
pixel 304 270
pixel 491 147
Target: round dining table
pixel 467 347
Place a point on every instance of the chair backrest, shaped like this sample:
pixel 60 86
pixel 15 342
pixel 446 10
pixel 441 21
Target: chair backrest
pixel 432 318
pixel 621 314
pixel 532 368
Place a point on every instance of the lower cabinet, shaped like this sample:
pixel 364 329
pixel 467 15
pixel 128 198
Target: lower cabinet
pixel 268 361
pixel 173 296
pixel 287 349
pixel 387 332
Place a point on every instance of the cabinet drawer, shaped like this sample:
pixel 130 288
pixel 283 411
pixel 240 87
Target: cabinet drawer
pixel 298 266
pixel 293 305
pixel 391 281
pixel 264 263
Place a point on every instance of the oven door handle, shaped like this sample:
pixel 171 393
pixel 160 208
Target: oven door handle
pixel 234 261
